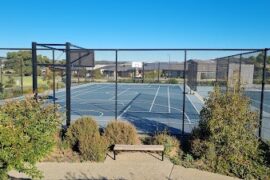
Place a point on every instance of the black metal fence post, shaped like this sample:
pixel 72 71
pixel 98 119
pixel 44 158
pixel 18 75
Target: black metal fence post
pixel 116 84
pixel 22 73
pixel 158 70
pixel 227 74
pixel 143 72
pixel 216 71
pixel 1 70
pixel 34 67
pixel 78 75
pixel 240 71
pixel 68 84
pixel 53 57
pixel 262 93
pixel 184 94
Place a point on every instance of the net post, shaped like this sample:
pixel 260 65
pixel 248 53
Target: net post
pixel 262 92
pixel 184 94
pixel 34 67
pixel 116 83
pixel 68 84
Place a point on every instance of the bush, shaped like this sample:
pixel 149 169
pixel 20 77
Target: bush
pixel 171 144
pixel 121 132
pixel 1 88
pixel 27 131
pixel 225 139
pixel 81 127
pixel 10 82
pixel 84 137
pixel 172 81
pixel 93 148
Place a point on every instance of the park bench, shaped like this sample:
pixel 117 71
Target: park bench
pixel 146 148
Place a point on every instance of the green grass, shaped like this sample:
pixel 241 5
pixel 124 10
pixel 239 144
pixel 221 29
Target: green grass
pixel 27 80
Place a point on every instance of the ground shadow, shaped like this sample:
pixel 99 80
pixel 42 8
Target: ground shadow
pixel 149 126
pixel 15 178
pixel 84 176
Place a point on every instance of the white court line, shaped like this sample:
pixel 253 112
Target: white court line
pixel 190 101
pixel 187 118
pixel 259 102
pixel 87 91
pixel 148 112
pixel 81 92
pixel 120 94
pixel 74 89
pixel 169 102
pixel 124 111
pixel 154 100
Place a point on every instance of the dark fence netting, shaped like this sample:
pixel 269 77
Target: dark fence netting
pixel 15 73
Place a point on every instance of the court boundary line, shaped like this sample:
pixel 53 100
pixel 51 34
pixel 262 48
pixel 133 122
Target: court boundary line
pixel 87 91
pixel 78 88
pixel 128 105
pixel 267 105
pixel 154 99
pixel 169 97
pixel 118 95
pixel 124 112
pixel 189 100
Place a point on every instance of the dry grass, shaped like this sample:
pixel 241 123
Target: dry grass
pixel 62 152
pixel 121 132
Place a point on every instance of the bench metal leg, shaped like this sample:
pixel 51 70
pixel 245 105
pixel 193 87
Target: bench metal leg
pixel 162 155
pixel 114 155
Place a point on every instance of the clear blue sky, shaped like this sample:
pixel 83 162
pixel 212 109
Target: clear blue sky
pixel 137 23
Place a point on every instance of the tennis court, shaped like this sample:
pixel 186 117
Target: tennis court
pixel 255 96
pixel 150 107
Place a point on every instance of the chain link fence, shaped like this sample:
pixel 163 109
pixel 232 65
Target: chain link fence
pixel 155 89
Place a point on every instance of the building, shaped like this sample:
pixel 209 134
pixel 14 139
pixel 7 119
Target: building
pixel 222 72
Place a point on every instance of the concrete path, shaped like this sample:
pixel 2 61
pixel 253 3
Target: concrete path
pixel 127 166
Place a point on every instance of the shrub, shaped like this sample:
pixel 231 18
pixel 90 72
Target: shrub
pixel 172 81
pixel 171 144
pixel 10 82
pixel 1 88
pixel 225 139
pixel 121 132
pixel 62 151
pixel 84 137
pixel 81 127
pixel 93 148
pixel 27 131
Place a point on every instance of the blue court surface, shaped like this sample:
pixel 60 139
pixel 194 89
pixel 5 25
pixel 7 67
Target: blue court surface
pixel 255 98
pixel 150 107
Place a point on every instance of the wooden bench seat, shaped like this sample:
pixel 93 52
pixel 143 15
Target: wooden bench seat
pixel 148 148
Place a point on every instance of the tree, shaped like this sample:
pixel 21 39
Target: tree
pixel 10 82
pixel 15 59
pixel 226 137
pixel 97 74
pixel 27 130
